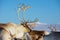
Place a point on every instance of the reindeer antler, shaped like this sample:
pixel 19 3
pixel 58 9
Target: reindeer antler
pixel 18 11
pixel 23 8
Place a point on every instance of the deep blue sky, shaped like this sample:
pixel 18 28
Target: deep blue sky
pixel 47 11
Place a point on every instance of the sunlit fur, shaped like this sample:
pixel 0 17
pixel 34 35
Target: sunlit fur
pixel 11 30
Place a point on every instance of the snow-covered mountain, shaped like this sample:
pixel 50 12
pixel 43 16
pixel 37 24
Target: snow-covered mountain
pixel 44 26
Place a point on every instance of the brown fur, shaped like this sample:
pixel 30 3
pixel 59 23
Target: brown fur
pixel 36 35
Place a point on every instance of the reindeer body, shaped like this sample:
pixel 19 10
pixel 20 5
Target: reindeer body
pixel 11 30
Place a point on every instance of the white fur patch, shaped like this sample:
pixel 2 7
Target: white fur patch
pixel 47 33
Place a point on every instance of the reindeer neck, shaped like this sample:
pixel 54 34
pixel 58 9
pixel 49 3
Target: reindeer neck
pixel 26 26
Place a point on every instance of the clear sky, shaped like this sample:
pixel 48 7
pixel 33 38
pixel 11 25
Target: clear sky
pixel 47 11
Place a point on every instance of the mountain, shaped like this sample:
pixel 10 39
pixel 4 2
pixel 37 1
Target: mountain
pixel 45 26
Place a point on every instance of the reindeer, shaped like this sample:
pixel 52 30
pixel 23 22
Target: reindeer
pixel 11 30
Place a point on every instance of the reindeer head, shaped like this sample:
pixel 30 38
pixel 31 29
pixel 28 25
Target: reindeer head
pixel 26 26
